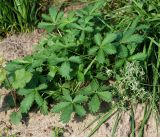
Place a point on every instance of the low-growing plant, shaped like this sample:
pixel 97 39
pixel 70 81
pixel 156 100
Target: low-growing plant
pixel 82 63
pixel 68 56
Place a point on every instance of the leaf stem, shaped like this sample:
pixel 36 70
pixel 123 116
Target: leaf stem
pixel 85 72
pixel 13 93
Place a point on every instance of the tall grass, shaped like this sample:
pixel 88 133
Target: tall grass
pixel 18 15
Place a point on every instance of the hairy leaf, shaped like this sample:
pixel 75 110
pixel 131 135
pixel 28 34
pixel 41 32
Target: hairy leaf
pixel 22 77
pixel 110 37
pixel 105 96
pixel 122 51
pixel 66 114
pixel 24 92
pixel 94 104
pixel 80 110
pixel 138 57
pixel 65 70
pixel 27 102
pixel 100 56
pixel 98 39
pixel 15 117
pixel 109 49
pixel 80 99
pixel 93 50
pixel 44 108
pixel 60 106
pixel 38 99
pixel 75 59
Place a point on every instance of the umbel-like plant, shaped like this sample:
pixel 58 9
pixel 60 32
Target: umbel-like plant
pixel 69 65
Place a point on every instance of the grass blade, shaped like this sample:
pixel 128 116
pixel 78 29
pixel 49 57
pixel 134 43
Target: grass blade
pixel 103 119
pixel 118 117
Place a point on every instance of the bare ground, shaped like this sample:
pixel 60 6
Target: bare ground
pixel 37 125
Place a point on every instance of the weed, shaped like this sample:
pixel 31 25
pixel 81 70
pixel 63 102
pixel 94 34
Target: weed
pixel 85 61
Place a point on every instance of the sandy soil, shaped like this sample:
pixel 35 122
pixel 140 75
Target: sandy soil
pixel 38 125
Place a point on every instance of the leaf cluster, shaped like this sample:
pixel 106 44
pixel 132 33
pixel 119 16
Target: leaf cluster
pixel 69 66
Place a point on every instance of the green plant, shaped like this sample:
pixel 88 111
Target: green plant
pixel 69 105
pixel 97 94
pixel 85 61
pixel 68 55
pixel 57 132
pixel 18 15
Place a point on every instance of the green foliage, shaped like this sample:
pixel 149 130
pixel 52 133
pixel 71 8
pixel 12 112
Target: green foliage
pixel 97 95
pixel 75 64
pixel 22 77
pixel 15 117
pixel 69 105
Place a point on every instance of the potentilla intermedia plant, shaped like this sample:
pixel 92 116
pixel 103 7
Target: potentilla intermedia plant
pixel 84 63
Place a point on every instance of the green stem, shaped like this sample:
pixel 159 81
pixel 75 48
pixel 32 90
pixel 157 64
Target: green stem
pixel 85 72
pixel 13 93
pixel 156 76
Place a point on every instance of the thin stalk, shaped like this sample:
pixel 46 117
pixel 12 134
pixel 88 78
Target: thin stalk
pixel 156 77
pixel 147 113
pixel 132 123
pixel 13 93
pixel 103 120
pixel 85 72
pixel 118 117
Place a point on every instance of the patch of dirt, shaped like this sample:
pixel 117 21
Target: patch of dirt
pixel 17 46
pixel 38 125
pixel 43 126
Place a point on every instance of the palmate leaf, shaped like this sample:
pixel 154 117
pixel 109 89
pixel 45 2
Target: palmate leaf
pixel 79 110
pixel 66 114
pixel 15 117
pixel 105 96
pixel 65 70
pixel 27 102
pixel 60 107
pixel 22 77
pixel 94 104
